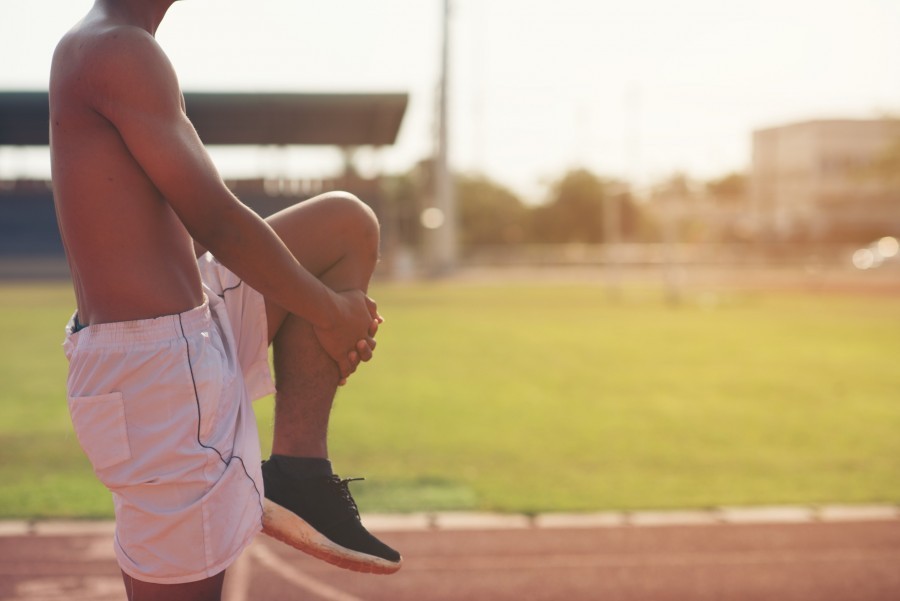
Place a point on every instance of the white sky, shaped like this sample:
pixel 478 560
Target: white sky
pixel 635 89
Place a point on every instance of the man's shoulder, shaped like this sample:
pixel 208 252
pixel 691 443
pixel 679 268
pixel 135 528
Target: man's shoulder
pixel 107 43
pixel 100 59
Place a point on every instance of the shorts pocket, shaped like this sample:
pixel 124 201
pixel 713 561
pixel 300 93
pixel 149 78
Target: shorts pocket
pixel 99 423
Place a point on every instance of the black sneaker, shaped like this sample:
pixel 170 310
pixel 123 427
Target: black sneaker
pixel 318 516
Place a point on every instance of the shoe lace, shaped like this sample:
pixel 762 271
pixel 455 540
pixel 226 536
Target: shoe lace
pixel 343 488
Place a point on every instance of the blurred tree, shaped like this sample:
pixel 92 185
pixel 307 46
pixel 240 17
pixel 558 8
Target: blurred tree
pixel 574 212
pixel 886 166
pixel 676 188
pixel 729 189
pixel 575 209
pixel 677 205
pixel 489 213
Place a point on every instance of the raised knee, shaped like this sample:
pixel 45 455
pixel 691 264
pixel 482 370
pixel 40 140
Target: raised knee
pixel 358 218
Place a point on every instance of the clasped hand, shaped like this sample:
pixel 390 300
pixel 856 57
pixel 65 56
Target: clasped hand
pixel 350 339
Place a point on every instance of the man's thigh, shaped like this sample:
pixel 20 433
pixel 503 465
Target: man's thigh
pixel 335 236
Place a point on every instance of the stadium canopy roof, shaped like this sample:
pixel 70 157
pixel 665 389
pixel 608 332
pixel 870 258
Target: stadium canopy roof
pixel 344 120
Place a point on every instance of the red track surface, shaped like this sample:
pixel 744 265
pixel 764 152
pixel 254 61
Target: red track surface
pixel 841 561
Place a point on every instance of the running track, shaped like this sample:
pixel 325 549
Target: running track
pixel 768 554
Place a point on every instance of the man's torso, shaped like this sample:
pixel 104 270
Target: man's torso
pixel 130 256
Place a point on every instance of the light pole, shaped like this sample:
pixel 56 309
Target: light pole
pixel 444 245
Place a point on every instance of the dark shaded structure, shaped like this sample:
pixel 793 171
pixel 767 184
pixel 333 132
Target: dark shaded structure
pixel 345 120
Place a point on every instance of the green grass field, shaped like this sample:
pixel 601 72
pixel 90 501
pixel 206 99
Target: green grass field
pixel 545 397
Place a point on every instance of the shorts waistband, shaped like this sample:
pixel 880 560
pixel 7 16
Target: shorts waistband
pixel 154 329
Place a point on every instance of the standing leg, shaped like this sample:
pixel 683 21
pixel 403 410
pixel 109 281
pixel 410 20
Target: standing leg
pixel 335 236
pixel 209 589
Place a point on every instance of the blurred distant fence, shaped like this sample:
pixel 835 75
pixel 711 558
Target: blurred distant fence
pixel 662 254
pixel 31 248
pixel 30 245
pixel 28 222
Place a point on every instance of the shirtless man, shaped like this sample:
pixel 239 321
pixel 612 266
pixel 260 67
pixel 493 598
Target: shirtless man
pixel 168 346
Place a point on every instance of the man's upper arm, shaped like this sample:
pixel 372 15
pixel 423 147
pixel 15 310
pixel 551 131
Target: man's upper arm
pixel 137 90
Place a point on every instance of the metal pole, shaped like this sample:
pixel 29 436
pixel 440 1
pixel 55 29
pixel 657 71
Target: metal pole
pixel 445 237
pixel 612 229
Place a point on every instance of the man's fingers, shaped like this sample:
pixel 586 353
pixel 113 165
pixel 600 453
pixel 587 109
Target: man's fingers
pixel 365 349
pixel 373 310
pixel 348 366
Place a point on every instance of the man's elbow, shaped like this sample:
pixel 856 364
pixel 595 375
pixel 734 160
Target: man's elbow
pixel 221 234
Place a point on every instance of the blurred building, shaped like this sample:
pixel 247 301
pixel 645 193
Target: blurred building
pixel 820 180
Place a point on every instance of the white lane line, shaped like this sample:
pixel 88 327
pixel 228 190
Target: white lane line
pixel 297 578
pixel 468 521
pixel 859 513
pixel 14 528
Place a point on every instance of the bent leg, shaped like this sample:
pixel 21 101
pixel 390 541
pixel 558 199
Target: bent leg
pixel 209 589
pixel 308 507
pixel 334 236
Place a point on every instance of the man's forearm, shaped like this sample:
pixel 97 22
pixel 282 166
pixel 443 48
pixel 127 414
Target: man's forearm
pixel 249 247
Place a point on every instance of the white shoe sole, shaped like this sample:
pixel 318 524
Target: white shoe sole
pixel 286 526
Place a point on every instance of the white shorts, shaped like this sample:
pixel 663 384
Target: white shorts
pixel 162 408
